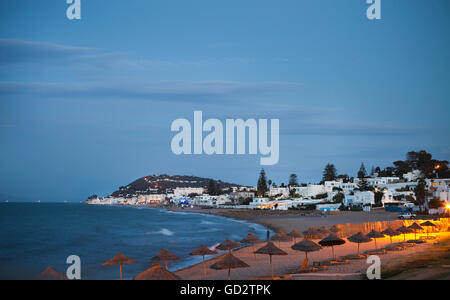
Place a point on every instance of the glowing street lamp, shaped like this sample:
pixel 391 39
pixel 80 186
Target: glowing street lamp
pixel 436 168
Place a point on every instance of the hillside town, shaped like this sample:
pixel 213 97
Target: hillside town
pixel 417 184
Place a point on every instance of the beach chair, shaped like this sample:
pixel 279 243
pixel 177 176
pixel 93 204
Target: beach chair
pixel 304 264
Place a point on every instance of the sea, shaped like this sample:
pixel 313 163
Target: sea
pixel 34 236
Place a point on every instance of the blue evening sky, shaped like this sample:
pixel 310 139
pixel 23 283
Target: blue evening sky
pixel 86 106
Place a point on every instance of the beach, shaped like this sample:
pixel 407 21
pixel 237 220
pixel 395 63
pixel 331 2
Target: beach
pixel 294 219
pixel 285 265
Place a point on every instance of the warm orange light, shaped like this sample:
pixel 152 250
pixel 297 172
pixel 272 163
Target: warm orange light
pixel 437 167
pixel 448 206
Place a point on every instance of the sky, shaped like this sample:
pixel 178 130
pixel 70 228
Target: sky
pixel 86 105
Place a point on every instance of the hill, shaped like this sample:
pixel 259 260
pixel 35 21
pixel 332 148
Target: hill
pixel 165 183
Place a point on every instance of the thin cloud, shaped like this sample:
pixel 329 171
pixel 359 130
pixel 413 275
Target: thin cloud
pixel 183 91
pixel 20 51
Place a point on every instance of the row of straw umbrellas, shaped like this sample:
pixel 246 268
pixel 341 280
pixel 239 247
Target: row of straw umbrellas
pixel 229 261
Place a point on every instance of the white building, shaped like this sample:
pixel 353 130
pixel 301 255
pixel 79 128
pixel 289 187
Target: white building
pixel 310 190
pixel 151 199
pixel 241 195
pixel 412 176
pixel 283 191
pixel 330 185
pixel 360 198
pixel 185 191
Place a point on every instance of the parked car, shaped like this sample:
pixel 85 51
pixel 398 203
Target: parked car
pixel 407 216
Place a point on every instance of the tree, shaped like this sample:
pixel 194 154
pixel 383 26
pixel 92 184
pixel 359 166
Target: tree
pixel 329 173
pixel 401 167
pixel 218 189
pixel 262 183
pixel 363 185
pixel 338 198
pixel 212 187
pixel 436 203
pixel 293 180
pixel 362 173
pixel 420 192
pixel 345 178
pixel 378 199
pixel 372 171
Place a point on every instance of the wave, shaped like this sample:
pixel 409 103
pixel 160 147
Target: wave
pixel 163 231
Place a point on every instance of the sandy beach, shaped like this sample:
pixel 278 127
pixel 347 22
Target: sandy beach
pixel 354 269
pixel 291 219
pixel 348 222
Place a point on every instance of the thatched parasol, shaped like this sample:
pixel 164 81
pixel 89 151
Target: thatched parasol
pixel 281 237
pixel 427 224
pixel 270 249
pixel 331 241
pixel 164 256
pixel 252 240
pixel 156 273
pixel 324 230
pixel 375 235
pixel 202 251
pixel 295 235
pixel 390 232
pixel 334 229
pixel 404 230
pixel 311 233
pixel 51 274
pixel 120 260
pixel 415 227
pixel 228 245
pixel 359 238
pixel 306 246
pixel 229 261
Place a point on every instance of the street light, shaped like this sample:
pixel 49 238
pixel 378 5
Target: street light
pixel 436 168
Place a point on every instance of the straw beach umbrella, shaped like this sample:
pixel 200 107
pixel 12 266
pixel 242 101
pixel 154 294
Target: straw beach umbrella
pixel 281 237
pixel 375 235
pixel 324 230
pixel 404 230
pixel 295 235
pixel 427 224
pixel 390 232
pixel 270 249
pixel 228 245
pixel 415 227
pixel 359 238
pixel 331 241
pixel 311 233
pixel 120 260
pixel 51 274
pixel 202 251
pixel 334 229
pixel 252 240
pixel 306 246
pixel 164 256
pixel 156 273
pixel 229 261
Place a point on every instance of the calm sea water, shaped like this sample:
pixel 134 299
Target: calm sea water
pixel 34 236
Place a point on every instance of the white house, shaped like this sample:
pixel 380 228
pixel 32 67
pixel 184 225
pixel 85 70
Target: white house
pixel 412 176
pixel 283 191
pixel 360 198
pixel 330 185
pixel 223 200
pixel 185 191
pixel 260 203
pixel 310 190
